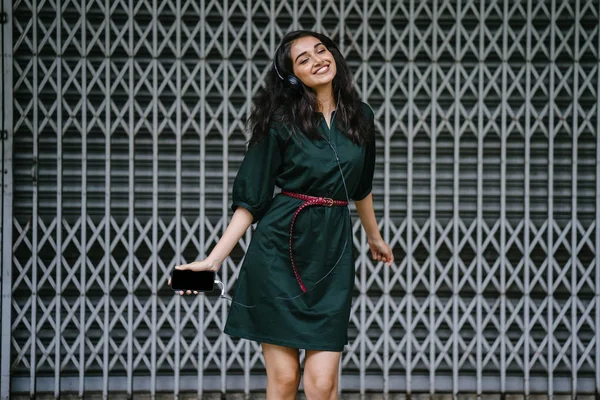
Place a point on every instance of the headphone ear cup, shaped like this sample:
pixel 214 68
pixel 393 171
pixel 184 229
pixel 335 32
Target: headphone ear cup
pixel 294 82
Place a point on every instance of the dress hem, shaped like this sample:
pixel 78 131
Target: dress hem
pixel 279 342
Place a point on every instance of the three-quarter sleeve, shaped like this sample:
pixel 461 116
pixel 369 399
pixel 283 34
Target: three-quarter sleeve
pixel 255 181
pixel 365 182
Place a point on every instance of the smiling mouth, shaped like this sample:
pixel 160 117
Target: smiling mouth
pixel 322 70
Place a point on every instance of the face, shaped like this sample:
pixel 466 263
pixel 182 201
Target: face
pixel 312 63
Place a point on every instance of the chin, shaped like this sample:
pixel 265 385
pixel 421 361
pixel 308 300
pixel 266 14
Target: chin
pixel 325 80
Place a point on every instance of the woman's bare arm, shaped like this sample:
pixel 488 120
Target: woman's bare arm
pixel 240 222
pixel 379 249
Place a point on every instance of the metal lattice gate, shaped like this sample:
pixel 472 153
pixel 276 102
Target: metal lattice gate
pixel 125 130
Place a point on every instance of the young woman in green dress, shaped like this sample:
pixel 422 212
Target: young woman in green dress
pixel 313 138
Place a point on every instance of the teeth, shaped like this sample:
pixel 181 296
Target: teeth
pixel 321 69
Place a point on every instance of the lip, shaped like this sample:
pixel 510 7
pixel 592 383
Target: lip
pixel 322 70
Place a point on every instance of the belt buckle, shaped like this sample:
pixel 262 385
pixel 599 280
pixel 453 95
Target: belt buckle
pixel 329 201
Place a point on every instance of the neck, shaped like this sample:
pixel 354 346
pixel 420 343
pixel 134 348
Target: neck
pixel 325 100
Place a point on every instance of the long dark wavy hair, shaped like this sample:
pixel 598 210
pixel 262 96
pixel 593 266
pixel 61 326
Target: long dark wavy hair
pixel 278 102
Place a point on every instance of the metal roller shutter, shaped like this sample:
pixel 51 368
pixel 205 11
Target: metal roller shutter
pixel 125 131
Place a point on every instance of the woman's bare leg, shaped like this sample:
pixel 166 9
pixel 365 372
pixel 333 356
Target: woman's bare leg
pixel 321 375
pixel 283 371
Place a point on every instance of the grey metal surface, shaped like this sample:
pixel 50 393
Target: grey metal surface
pixel 6 182
pixel 128 132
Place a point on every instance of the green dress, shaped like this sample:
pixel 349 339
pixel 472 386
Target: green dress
pixel 269 305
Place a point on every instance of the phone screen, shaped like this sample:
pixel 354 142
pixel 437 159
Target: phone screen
pixel 202 281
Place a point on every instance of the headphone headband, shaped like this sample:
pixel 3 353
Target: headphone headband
pixel 275 66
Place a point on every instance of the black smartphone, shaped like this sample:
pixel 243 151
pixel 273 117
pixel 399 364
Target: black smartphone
pixel 201 281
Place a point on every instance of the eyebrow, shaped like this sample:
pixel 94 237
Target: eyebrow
pixel 304 52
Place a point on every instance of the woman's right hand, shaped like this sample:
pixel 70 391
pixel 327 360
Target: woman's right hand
pixel 241 220
pixel 203 265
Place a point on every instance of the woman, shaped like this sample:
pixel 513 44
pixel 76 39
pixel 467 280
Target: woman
pixel 311 136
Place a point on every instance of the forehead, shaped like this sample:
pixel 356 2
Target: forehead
pixel 300 45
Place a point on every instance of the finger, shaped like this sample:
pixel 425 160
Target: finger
pixel 181 292
pixel 188 292
pixel 183 267
pixel 195 292
pixel 169 282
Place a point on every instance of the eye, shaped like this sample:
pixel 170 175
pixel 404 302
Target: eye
pixel 303 61
pixel 321 51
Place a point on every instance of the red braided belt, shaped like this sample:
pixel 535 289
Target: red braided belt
pixel 309 201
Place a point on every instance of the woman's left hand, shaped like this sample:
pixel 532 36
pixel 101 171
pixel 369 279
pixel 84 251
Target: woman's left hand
pixel 380 251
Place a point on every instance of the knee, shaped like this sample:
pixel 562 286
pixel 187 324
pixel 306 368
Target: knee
pixel 320 386
pixel 284 380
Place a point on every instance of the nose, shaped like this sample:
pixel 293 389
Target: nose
pixel 318 64
pixel 318 58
